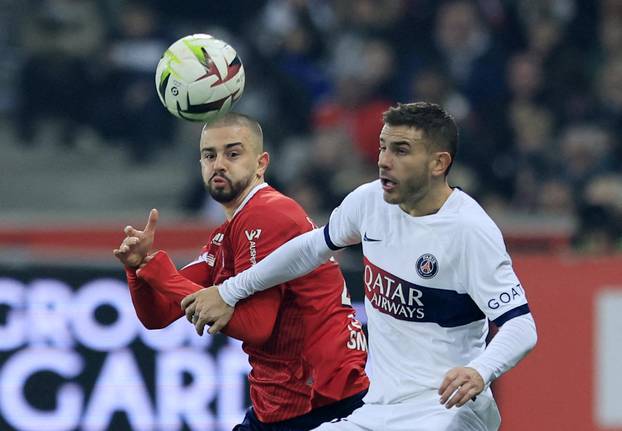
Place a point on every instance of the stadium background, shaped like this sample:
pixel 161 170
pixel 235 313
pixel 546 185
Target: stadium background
pixel 86 148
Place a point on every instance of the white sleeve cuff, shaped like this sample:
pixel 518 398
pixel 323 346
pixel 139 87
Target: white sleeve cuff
pixel 227 294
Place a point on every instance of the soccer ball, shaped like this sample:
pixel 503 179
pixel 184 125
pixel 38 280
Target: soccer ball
pixel 199 78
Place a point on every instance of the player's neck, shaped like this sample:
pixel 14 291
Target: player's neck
pixel 231 207
pixel 429 203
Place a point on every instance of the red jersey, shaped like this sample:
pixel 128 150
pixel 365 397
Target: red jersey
pixel 302 338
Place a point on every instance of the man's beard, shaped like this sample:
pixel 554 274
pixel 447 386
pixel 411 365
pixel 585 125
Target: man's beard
pixel 409 191
pixel 226 194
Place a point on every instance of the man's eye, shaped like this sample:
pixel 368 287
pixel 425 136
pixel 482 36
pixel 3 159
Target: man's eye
pixel 234 154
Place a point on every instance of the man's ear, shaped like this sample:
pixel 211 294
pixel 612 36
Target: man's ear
pixel 440 163
pixel 262 163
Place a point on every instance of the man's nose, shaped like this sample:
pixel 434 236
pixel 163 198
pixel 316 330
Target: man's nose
pixel 219 162
pixel 384 160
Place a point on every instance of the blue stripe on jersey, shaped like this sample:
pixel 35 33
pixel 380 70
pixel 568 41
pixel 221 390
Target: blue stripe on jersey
pixel 514 312
pixel 329 242
pixel 414 303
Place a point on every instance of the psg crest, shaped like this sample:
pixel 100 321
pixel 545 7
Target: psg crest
pixel 427 266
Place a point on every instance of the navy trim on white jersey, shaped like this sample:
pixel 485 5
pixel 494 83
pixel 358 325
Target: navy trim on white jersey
pixel 329 242
pixel 514 312
pixel 412 302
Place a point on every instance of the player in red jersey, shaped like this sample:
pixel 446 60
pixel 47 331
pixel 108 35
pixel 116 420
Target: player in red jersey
pixel 306 349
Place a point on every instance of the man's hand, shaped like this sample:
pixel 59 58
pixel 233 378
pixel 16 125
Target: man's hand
pixel 464 383
pixel 206 307
pixel 136 245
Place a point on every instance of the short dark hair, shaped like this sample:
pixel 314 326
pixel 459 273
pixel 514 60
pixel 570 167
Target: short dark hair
pixel 237 119
pixel 231 118
pixel 437 125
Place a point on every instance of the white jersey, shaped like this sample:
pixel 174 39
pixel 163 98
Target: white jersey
pixel 431 283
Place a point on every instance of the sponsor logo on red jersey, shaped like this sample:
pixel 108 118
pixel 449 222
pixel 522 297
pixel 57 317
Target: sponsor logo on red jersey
pixel 252 235
pixel 218 239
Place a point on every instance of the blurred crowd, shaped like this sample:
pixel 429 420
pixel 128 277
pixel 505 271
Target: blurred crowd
pixel 535 86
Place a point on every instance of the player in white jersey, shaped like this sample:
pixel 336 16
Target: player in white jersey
pixel 436 271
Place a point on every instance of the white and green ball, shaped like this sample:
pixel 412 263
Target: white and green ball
pixel 199 78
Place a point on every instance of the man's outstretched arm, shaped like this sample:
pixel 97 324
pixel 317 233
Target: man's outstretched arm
pixel 253 319
pixel 295 258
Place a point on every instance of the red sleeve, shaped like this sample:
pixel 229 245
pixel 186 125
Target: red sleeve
pixel 250 322
pixel 162 275
pixel 254 317
pixel 156 292
pixel 153 309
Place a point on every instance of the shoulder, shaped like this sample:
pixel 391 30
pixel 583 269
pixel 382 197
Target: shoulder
pixel 473 220
pixel 270 207
pixel 368 189
pixel 367 192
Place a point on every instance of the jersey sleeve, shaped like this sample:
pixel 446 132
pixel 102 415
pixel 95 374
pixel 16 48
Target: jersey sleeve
pixel 162 275
pixel 343 228
pixel 513 341
pixel 490 278
pixel 285 237
pixel 154 310
pixel 252 320
pixel 295 258
pixel 254 317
